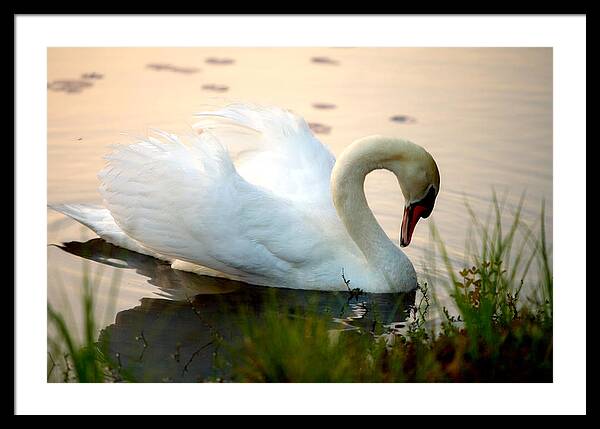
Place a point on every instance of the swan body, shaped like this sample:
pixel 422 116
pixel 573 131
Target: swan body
pixel 252 195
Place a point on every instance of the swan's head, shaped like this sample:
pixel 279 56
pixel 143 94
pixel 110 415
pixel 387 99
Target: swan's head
pixel 418 177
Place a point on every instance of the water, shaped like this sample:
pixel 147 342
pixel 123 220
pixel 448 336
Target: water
pixel 484 114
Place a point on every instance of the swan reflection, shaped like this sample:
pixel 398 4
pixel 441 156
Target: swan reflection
pixel 179 335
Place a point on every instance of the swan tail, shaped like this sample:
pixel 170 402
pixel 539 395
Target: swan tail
pixel 99 220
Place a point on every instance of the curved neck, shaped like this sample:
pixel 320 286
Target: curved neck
pixel 347 187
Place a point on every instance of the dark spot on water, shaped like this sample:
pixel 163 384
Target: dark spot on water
pixel 70 86
pixel 324 106
pixel 319 128
pixel 215 87
pixel 324 60
pixel 172 68
pixel 219 61
pixel 92 75
pixel 403 119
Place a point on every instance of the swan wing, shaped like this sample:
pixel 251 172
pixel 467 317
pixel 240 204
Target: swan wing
pixel 275 149
pixel 184 198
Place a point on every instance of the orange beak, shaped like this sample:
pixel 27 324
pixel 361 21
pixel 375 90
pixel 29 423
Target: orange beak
pixel 412 213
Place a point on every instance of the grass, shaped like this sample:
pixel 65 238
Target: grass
pixel 499 328
pixel 487 295
pixel 76 356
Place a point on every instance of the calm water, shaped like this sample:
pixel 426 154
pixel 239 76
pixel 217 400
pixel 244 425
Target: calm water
pixel 484 114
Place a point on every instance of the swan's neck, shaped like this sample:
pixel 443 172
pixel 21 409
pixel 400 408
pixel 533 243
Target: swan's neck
pixel 347 186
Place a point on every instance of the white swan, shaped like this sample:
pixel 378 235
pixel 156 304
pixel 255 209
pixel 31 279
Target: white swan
pixel 252 195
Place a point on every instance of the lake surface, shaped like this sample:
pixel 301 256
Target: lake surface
pixel 484 114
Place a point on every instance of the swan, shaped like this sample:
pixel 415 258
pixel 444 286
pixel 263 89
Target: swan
pixel 250 194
